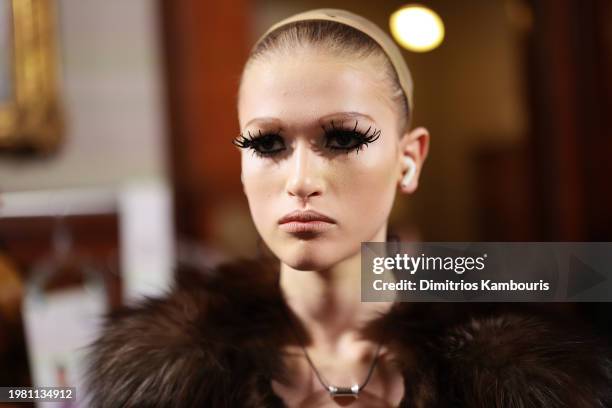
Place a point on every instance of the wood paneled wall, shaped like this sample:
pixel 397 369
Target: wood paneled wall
pixel 206 44
pixel 570 60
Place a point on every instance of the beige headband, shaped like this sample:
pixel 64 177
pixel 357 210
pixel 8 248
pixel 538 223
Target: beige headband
pixel 368 28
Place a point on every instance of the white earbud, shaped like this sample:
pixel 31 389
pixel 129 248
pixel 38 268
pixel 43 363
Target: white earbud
pixel 410 173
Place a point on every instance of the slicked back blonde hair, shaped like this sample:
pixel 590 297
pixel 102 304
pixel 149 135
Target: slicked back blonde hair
pixel 338 40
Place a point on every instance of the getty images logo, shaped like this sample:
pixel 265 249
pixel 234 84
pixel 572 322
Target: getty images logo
pixel 412 264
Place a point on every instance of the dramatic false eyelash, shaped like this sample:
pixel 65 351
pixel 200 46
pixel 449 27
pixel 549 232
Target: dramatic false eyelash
pixel 244 142
pixel 252 142
pixel 363 138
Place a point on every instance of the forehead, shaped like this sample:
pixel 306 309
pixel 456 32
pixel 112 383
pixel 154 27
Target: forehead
pixel 306 85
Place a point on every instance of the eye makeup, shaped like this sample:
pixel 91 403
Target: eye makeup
pixel 266 144
pixel 349 139
pixel 336 139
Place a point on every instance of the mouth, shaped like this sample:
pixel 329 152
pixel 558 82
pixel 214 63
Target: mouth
pixel 305 221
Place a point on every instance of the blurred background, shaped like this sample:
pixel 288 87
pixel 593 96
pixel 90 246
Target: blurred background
pixel 129 167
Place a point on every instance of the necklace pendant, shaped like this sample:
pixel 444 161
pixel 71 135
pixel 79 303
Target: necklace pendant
pixel 344 391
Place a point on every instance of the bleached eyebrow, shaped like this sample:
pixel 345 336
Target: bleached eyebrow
pixel 270 120
pixel 344 115
pixel 266 119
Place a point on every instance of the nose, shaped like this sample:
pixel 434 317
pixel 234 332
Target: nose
pixel 304 180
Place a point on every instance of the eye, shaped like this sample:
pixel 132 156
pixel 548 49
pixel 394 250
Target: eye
pixel 342 139
pixel 268 144
pixel 349 139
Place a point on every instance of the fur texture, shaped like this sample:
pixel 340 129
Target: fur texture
pixel 214 341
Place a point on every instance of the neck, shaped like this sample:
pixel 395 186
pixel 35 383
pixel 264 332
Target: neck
pixel 328 302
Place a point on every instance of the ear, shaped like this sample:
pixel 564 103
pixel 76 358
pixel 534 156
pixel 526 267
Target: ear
pixel 415 145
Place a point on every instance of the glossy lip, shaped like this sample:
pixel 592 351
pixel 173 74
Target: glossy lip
pixel 300 221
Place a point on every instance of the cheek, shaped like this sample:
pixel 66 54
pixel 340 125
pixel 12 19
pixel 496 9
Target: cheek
pixel 367 193
pixel 261 187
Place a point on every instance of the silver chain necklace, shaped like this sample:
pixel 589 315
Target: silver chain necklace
pixel 335 391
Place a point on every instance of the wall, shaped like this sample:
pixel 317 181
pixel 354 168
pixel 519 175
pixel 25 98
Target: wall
pixel 112 91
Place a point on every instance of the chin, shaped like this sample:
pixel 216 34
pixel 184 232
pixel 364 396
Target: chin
pixel 306 257
pixel 309 264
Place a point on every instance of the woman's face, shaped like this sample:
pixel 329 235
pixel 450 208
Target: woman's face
pixel 300 114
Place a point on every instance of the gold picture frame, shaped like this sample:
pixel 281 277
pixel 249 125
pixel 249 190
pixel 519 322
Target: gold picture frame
pixel 30 117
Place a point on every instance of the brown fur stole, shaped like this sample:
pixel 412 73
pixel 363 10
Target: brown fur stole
pixel 214 341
